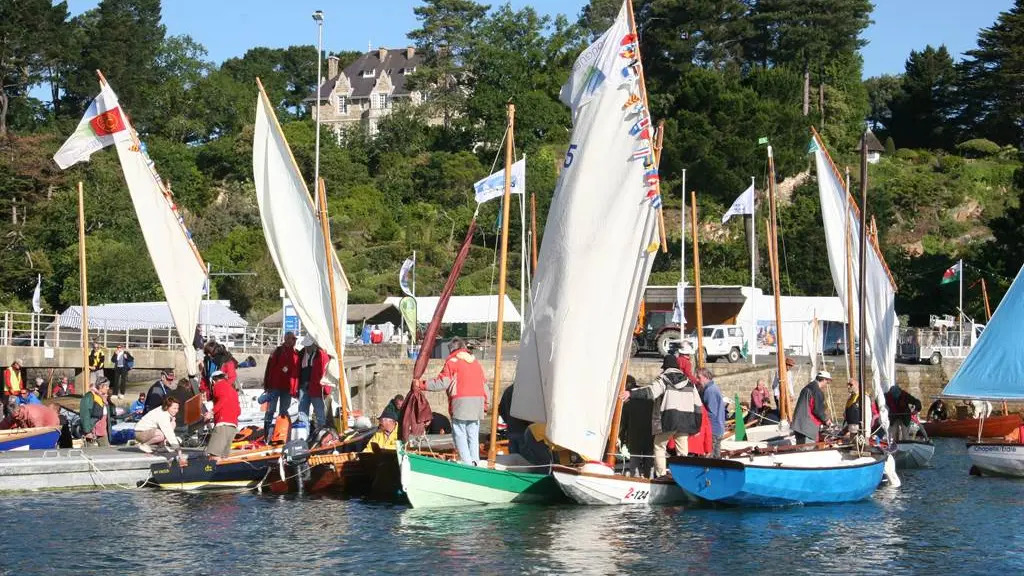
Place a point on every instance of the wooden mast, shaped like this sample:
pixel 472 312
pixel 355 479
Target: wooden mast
pixel 83 287
pixel 533 234
pixel 613 432
pixel 502 273
pixel 850 349
pixel 696 280
pixel 785 411
pixel 643 95
pixel 325 229
pixel 861 368
pixel 984 295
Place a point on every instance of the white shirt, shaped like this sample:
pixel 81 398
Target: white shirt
pixel 159 419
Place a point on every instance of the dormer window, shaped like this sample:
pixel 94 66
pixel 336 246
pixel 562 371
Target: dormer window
pixel 369 73
pixel 407 70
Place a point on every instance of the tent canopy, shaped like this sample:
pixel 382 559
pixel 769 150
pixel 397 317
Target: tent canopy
pixel 143 315
pixel 462 309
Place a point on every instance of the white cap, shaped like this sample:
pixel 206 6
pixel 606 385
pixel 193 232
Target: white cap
pixel 823 375
pixel 217 374
pixel 307 340
pixel 686 347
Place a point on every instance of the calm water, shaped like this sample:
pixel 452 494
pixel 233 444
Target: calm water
pixel 941 520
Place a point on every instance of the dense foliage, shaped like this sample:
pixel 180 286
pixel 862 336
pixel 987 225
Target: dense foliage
pixel 722 73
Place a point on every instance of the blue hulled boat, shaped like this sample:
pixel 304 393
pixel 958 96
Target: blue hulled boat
pixel 781 479
pixel 29 439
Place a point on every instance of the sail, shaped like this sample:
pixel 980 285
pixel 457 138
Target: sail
pixel 994 369
pixel 598 247
pixel 181 272
pixel 294 236
pixel 880 293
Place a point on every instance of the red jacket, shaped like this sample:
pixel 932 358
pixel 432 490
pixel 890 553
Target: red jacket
pixel 316 375
pixel 226 408
pixel 282 370
pixel 686 367
pixel 466 376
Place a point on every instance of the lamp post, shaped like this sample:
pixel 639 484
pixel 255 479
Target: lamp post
pixel 318 17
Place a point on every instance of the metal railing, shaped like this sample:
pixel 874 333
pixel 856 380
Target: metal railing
pixel 44 330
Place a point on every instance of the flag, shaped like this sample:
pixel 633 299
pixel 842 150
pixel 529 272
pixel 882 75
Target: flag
pixel 678 314
pixel 744 205
pixel 953 273
pixel 101 126
pixel 37 301
pixel 762 140
pixel 639 126
pixel 642 152
pixel 407 306
pixel 633 99
pixel 813 146
pixel 494 185
pixel 741 428
pixel 403 275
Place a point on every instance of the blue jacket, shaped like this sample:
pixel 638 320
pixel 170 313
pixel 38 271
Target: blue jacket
pixel 716 408
pixel 31 398
pixel 137 406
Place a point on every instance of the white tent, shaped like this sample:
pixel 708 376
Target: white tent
pixel 798 314
pixel 462 309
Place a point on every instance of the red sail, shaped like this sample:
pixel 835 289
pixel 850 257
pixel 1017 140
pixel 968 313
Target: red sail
pixel 416 413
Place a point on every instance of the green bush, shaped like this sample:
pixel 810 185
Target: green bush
pixel 907 154
pixel 978 148
pixel 952 165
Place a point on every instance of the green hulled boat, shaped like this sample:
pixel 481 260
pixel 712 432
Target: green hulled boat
pixel 431 482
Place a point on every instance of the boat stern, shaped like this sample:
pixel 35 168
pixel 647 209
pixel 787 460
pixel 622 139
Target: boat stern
pixel 710 479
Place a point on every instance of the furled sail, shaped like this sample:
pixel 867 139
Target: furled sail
pixel 881 321
pixel 181 272
pixel 294 236
pixel 994 369
pixel 598 248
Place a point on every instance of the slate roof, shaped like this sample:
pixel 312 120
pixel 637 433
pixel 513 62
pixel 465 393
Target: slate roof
pixel 873 144
pixel 395 60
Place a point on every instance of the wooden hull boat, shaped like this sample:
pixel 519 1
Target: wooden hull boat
pixel 29 438
pixel 596 484
pixel 994 427
pixel 823 476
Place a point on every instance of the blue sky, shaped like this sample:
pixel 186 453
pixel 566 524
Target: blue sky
pixel 228 29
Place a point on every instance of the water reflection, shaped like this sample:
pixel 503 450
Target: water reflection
pixel 941 520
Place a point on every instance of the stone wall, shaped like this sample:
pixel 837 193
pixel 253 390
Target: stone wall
pixel 389 377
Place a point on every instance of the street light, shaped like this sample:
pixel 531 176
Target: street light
pixel 318 17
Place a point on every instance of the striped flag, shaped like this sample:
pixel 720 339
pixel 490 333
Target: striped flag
pixel 642 152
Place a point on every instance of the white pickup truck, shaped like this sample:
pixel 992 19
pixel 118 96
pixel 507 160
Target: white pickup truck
pixel 720 341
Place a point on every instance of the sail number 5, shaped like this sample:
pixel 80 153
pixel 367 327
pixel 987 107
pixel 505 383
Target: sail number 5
pixel 636 495
pixel 569 155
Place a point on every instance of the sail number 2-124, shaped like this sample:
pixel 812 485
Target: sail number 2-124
pixel 635 495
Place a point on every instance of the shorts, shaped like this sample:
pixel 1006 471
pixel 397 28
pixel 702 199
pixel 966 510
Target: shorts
pixel 220 440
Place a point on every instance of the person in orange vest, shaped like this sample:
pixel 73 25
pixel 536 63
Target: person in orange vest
pixel 281 380
pixel 12 382
pixel 463 378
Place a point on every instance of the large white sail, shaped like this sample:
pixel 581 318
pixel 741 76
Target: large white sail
pixel 881 319
pixel 596 255
pixel 177 263
pixel 294 237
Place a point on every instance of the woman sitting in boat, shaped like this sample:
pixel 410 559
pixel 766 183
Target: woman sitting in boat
pixel 760 401
pixel 387 431
pixel 810 411
pixel 676 416
pixel 157 427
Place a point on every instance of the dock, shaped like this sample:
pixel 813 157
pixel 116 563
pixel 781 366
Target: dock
pixel 75 468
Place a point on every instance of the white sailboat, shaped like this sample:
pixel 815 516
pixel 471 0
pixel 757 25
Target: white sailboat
pixel 596 256
pixel 841 219
pixel 297 243
pixel 994 370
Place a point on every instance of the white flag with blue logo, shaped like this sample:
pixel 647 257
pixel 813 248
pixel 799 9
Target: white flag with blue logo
pixel 494 185
pixel 744 205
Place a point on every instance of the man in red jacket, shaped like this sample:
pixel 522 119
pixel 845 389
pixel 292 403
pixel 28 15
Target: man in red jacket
pixel 226 410
pixel 281 380
pixel 312 389
pixel 463 378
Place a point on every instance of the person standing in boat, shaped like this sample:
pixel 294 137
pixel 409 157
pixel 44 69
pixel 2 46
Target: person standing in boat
pixel 635 432
pixel 902 406
pixel 677 415
pixel 463 378
pixel 312 369
pixel 13 384
pixel 226 410
pixel 712 397
pixel 93 411
pixel 790 363
pixel 281 380
pixel 515 427
pixel 852 414
pixel 679 357
pixel 159 391
pixel 810 411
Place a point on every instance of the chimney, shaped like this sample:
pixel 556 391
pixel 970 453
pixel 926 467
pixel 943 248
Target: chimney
pixel 332 66
pixel 409 51
pixel 382 53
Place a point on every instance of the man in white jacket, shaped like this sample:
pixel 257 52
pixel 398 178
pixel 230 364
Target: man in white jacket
pixel 156 428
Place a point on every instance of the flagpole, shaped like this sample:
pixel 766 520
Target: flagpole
pixel 83 284
pixel 682 258
pixel 318 16
pixel 753 276
pixel 960 308
pixel 696 280
pixel 413 273
pixel 522 261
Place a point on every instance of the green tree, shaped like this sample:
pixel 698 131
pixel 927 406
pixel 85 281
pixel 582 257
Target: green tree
pixel 881 91
pixel 992 107
pixel 27 29
pixel 922 110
